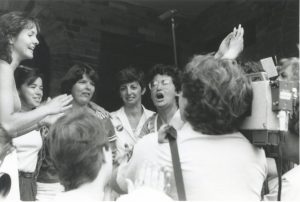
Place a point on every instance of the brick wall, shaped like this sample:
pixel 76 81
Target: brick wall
pixel 73 31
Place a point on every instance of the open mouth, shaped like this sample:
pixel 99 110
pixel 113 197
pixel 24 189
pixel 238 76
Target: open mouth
pixel 159 95
pixel 86 94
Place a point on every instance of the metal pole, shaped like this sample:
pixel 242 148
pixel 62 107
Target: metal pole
pixel 174 41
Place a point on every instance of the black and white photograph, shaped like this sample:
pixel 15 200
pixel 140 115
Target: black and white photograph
pixel 149 100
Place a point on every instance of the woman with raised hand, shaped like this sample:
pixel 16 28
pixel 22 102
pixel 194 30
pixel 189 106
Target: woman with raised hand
pixel 18 39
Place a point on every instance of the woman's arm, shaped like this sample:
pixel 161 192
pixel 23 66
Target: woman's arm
pixel 16 122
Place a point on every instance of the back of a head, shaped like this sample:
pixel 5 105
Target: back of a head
pixel 76 148
pixel 218 94
pixel 289 69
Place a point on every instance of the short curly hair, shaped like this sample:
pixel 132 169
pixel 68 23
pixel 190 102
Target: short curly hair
pixel 76 143
pixel 131 74
pixel 74 74
pixel 169 70
pixel 218 94
pixel 11 24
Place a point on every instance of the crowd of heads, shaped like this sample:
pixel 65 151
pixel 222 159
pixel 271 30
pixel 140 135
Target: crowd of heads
pixel 214 97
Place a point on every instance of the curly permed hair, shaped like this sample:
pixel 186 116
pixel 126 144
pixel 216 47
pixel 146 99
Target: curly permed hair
pixel 74 74
pixel 169 70
pixel 218 94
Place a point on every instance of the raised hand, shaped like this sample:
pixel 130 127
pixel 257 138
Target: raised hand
pixel 58 104
pixel 232 45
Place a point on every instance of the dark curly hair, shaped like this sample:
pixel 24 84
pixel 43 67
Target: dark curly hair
pixel 74 74
pixel 76 147
pixel 169 70
pixel 11 24
pixel 131 74
pixel 218 94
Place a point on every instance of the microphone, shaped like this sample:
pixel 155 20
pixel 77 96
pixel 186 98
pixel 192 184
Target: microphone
pixel 168 14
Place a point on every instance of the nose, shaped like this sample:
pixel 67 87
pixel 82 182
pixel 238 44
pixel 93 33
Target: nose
pixel 89 86
pixel 159 85
pixel 129 91
pixel 39 92
pixel 36 41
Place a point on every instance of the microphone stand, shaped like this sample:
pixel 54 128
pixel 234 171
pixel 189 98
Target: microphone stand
pixel 174 41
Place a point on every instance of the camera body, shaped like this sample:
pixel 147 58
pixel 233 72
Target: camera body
pixel 264 127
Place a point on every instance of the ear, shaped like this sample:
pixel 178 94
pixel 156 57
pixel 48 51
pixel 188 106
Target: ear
pixel 143 91
pixel 178 93
pixel 11 40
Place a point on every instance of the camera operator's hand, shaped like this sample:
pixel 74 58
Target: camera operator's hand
pixel 232 45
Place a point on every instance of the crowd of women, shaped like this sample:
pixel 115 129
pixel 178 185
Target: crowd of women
pixel 69 148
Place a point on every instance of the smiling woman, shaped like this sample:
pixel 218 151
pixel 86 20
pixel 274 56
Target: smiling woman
pixel 29 84
pixel 129 119
pixel 18 39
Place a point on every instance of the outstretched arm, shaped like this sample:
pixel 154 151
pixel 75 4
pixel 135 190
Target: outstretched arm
pixel 15 122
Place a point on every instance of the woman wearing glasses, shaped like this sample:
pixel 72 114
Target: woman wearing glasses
pixel 164 86
pixel 130 118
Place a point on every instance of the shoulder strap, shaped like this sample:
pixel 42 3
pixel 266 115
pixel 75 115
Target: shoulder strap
pixel 172 135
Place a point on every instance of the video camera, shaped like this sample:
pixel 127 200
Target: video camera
pixel 273 101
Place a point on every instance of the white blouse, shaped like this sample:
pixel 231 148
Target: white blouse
pixel 28 147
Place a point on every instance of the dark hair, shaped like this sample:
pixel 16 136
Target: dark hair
pixel 11 24
pixel 169 70
pixel 131 74
pixel 76 147
pixel 218 94
pixel 76 73
pixel 26 75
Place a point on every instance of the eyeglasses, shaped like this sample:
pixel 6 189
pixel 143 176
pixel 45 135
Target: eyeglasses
pixel 154 84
